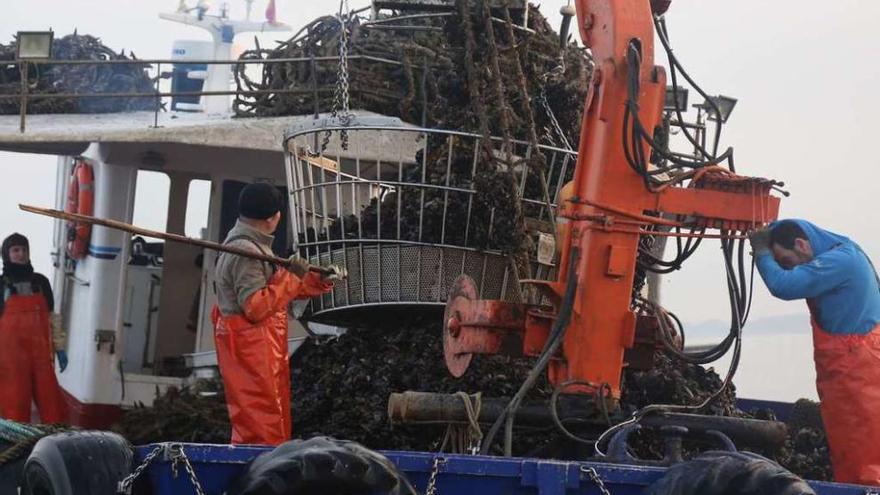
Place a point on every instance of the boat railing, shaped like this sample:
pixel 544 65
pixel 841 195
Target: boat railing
pixel 25 95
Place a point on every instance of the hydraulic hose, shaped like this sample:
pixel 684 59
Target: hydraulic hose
pixel 554 340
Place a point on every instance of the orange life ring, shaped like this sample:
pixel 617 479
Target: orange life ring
pixel 81 200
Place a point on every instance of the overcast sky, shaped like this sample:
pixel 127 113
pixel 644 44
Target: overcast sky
pixel 804 72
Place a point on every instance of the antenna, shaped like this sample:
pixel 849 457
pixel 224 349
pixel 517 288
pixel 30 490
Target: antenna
pixel 223 31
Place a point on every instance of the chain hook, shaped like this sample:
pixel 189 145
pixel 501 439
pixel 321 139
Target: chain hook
pixel 178 456
pixel 595 478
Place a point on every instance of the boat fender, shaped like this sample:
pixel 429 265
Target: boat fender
pixel 729 473
pixel 321 465
pixel 77 463
pixel 80 200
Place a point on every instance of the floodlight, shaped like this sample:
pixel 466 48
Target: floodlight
pixel 725 105
pixel 676 99
pixel 34 45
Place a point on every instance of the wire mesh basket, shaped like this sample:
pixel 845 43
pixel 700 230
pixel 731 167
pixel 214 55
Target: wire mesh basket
pixel 399 207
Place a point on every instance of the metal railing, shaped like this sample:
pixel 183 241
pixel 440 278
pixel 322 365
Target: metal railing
pixel 25 95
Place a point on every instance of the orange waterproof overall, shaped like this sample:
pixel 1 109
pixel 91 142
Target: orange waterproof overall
pixel 252 355
pixel 848 382
pixel 27 370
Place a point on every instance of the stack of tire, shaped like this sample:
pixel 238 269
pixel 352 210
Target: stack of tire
pixel 93 463
pixel 75 463
pixel 729 473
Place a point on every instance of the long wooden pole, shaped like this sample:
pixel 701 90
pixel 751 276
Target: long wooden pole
pixel 133 229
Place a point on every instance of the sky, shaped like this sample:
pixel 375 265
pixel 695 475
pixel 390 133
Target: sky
pixel 803 72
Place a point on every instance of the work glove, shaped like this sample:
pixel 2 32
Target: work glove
pixel 298 266
pixel 760 240
pixel 334 273
pixel 62 360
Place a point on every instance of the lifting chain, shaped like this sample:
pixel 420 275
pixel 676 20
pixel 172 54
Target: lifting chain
pixel 561 138
pixel 431 489
pixel 594 477
pixel 556 74
pixel 124 486
pixel 342 94
pixel 176 455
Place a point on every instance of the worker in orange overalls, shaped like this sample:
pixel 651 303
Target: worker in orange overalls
pixel 250 321
pixel 798 260
pixel 26 322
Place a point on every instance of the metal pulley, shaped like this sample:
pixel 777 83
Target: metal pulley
pixel 463 293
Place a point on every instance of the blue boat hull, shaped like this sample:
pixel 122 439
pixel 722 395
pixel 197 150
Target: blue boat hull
pixel 217 465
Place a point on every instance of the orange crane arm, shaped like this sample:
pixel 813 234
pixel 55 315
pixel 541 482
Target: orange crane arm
pixel 605 206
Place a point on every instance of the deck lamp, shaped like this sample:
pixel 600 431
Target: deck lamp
pixel 31 46
pixel 34 45
pixel 725 105
pixel 676 98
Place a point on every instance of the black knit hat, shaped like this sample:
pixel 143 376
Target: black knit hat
pixel 259 201
pixel 15 239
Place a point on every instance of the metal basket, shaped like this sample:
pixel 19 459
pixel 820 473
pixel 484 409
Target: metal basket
pixel 395 204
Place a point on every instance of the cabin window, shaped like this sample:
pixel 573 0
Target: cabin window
pixel 144 278
pixel 151 200
pixel 197 204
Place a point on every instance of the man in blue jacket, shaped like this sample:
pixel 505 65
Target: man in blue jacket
pixel 798 260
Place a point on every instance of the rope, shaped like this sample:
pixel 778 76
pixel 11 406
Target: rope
pixel 22 438
pixel 12 432
pixel 468 437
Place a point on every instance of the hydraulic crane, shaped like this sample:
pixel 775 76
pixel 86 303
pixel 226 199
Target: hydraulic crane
pixel 604 211
pixel 626 186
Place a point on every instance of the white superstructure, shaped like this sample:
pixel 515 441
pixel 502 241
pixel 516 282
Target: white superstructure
pixel 138 312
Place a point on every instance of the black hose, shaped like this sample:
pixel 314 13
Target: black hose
pixel 736 332
pixel 554 340
pixel 663 34
pixel 554 408
pixel 634 132
pixel 649 262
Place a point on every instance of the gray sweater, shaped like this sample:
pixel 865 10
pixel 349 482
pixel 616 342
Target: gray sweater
pixel 239 277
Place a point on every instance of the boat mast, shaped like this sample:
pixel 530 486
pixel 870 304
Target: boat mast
pixel 223 31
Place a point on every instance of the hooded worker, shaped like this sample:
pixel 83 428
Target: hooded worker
pixel 250 321
pixel 798 260
pixel 26 349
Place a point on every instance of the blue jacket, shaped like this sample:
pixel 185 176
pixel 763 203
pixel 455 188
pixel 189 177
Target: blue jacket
pixel 840 283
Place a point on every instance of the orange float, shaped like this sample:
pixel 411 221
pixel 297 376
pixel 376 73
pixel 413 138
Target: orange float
pixel 80 200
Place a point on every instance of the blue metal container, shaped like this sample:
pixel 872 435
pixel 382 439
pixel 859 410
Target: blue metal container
pixel 217 465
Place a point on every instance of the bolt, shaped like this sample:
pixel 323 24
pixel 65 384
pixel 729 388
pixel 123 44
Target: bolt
pixel 453 326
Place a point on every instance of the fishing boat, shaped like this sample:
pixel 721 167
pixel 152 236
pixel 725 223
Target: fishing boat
pixel 138 311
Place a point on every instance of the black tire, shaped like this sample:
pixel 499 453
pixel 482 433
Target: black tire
pixel 77 463
pixel 729 473
pixel 321 465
